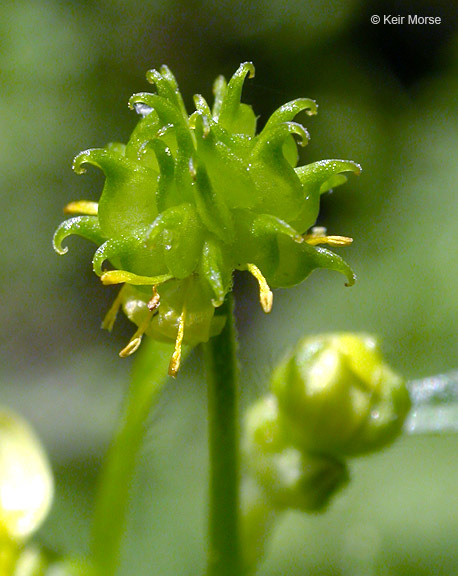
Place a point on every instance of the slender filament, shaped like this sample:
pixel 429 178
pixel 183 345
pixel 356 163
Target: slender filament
pixel 110 318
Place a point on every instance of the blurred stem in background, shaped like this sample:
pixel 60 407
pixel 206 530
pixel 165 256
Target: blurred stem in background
pixel 434 405
pixel 111 508
pixel 148 380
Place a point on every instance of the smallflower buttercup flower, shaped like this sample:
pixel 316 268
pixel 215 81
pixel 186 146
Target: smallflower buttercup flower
pixel 191 198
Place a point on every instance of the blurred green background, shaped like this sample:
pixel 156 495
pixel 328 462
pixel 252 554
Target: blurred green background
pixel 387 97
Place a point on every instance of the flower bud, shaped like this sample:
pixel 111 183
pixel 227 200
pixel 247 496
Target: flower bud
pixel 337 396
pixel 290 477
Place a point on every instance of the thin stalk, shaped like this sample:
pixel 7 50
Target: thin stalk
pixel 224 553
pixel 111 506
pixel 434 405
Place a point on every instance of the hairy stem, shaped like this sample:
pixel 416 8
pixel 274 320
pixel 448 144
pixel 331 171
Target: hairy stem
pixel 112 500
pixel 224 554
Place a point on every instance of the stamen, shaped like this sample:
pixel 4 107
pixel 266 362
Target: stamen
pixel 110 318
pixel 153 304
pixel 82 207
pixel 136 339
pixel 120 276
pixel 175 361
pixel 265 293
pixel 318 236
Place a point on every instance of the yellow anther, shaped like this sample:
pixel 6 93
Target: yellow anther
pixel 132 347
pixel 110 318
pixel 136 339
pixel 265 293
pixel 175 361
pixel 82 207
pixel 318 236
pixel 120 276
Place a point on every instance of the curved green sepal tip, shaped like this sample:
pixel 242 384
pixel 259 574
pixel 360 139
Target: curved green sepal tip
pixel 290 110
pixel 320 174
pixel 234 116
pixel 316 179
pixel 84 226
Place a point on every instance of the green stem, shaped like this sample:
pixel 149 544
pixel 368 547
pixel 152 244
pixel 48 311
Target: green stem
pixel 112 500
pixel 224 554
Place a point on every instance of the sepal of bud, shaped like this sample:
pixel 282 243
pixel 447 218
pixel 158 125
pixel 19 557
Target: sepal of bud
pixel 290 477
pixel 337 396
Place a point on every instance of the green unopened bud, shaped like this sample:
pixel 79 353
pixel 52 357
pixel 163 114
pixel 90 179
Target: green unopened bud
pixel 337 396
pixel 291 478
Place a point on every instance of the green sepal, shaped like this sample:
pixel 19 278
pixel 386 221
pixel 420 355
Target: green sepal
pixel 275 179
pixel 321 174
pixel 215 269
pixel 258 240
pixel 132 254
pixel 178 232
pixel 337 396
pixel 298 260
pixel 213 211
pixel 227 171
pixel 219 93
pixel 290 110
pixel 167 87
pixel 84 226
pixel 316 179
pixel 202 106
pixel 118 147
pixel 287 113
pixel 234 116
pixel 141 134
pixel 166 192
pixel 290 477
pixel 128 198
pixel 290 151
pixel 168 114
pixel 176 128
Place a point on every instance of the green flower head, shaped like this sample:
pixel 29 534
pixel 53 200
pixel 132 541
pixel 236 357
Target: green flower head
pixel 191 198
